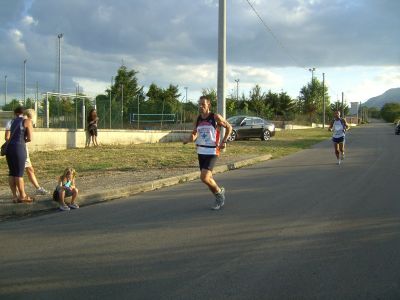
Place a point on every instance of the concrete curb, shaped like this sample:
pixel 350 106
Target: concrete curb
pixel 11 209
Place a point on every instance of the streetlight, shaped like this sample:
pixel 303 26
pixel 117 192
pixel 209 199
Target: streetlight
pixel 59 66
pixel 312 73
pixel 237 89
pixel 25 82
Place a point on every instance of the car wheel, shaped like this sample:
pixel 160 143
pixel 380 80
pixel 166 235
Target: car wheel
pixel 233 136
pixel 266 135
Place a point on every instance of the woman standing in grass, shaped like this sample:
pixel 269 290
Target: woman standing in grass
pixel 19 134
pixel 92 120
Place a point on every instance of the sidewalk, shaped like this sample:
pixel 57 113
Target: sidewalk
pixel 113 185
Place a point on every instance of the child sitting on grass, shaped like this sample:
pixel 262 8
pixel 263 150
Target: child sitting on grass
pixel 66 188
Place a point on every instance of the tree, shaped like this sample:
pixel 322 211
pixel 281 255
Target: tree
pixel 272 101
pixel 390 112
pixel 231 105
pixel 171 101
pixel 243 105
pixel 126 89
pixel 10 106
pixel 155 99
pixel 311 98
pixel 337 106
pixel 257 101
pixel 286 105
pixel 374 112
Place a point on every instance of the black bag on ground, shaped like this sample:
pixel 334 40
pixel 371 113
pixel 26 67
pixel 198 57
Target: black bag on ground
pixel 4 149
pixel 56 195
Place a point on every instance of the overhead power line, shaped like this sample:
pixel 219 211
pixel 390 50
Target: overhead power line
pixel 275 37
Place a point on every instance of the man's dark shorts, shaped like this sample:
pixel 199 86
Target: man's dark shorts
pixel 207 161
pixel 338 140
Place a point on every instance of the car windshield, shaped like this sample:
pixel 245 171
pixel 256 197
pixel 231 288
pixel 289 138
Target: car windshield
pixel 235 120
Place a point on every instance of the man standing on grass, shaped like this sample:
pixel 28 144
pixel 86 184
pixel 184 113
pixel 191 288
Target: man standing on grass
pixel 206 133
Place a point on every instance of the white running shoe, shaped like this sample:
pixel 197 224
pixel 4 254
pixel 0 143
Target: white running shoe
pixel 74 206
pixel 338 162
pixel 41 191
pixel 64 208
pixel 219 199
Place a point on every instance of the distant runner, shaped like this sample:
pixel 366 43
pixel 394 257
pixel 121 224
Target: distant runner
pixel 206 133
pixel 339 127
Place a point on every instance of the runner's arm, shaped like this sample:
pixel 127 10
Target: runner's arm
pixel 7 135
pixel 192 136
pixel 347 127
pixel 330 127
pixel 29 129
pixel 224 123
pixel 7 132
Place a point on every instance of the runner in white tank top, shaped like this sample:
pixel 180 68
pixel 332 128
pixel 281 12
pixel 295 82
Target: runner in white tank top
pixel 206 133
pixel 338 127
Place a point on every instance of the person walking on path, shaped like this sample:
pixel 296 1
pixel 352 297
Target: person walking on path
pixel 20 133
pixel 92 120
pixel 339 127
pixel 29 114
pixel 206 133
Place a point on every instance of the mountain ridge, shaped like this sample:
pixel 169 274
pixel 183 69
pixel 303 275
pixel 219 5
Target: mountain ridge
pixel 391 95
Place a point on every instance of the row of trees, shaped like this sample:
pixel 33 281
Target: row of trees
pixel 126 96
pixel 390 112
pixel 265 104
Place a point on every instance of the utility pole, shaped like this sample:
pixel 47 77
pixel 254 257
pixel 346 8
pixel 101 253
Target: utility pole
pixel 76 107
pixel 221 60
pixel 122 106
pixel 237 89
pixel 342 105
pixel 25 82
pixel 37 97
pixel 5 88
pixel 312 74
pixel 184 111
pixel 323 100
pixel 112 80
pixel 59 72
pixel 138 112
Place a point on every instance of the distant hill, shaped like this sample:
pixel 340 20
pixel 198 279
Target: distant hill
pixel 392 95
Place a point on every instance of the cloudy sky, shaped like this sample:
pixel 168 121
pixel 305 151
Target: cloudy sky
pixel 356 43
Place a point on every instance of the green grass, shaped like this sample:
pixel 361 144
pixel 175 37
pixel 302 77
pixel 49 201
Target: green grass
pixel 91 161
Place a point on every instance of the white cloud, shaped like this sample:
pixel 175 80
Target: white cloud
pixel 104 13
pixel 256 75
pixel 174 41
pixel 387 78
pixel 16 37
pixel 28 20
pixel 91 87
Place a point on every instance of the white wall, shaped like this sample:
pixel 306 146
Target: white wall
pixel 57 139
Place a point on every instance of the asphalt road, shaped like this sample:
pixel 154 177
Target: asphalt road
pixel 300 227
